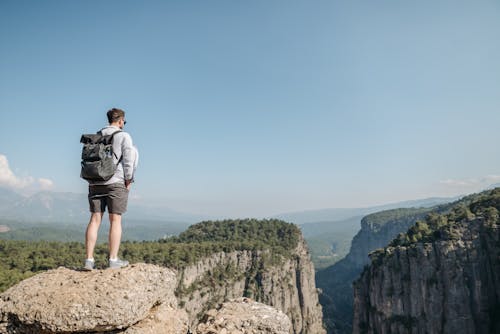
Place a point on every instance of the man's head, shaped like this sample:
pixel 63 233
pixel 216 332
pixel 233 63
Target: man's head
pixel 116 117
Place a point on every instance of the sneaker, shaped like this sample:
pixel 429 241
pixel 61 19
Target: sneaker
pixel 89 265
pixel 116 264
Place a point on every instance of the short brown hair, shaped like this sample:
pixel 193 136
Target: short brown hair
pixel 115 114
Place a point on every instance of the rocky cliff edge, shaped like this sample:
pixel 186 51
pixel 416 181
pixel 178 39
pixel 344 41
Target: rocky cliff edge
pixel 138 299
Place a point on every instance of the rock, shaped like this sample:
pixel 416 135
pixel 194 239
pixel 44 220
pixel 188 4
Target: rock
pixel 163 319
pixel 64 300
pixel 245 316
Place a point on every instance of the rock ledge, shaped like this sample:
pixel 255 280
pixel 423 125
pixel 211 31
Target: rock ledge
pixel 245 316
pixel 64 300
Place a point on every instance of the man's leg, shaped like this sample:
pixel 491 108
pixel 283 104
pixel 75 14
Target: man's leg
pixel 117 204
pixel 115 234
pixel 91 234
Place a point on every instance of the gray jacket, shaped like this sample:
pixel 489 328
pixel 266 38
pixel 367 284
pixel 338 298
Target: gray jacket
pixel 122 146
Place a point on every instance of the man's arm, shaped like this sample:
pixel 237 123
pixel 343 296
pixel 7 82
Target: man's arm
pixel 127 159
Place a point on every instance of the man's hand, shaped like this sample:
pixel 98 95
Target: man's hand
pixel 128 184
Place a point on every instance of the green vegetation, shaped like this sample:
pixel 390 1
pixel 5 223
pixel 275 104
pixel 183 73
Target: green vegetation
pixel 446 222
pixel 133 230
pixel 328 250
pixel 380 219
pixel 21 259
pixel 330 241
pixel 272 232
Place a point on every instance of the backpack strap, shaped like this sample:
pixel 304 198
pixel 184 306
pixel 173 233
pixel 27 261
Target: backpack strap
pixel 112 136
pixel 114 133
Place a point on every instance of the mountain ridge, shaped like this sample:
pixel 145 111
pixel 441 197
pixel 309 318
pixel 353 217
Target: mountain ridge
pixel 52 206
pixel 69 207
pixel 335 214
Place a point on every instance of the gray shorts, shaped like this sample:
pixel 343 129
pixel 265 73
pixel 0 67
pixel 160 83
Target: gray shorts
pixel 114 196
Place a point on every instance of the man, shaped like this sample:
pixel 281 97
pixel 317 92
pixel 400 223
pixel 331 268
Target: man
pixel 113 193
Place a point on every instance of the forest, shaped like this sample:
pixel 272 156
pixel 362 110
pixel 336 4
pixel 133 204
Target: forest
pixel 22 259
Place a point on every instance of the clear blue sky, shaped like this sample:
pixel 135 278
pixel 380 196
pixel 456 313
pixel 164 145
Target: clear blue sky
pixel 252 108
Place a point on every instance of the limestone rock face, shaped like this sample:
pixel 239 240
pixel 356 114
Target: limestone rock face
pixel 245 316
pixel 288 285
pixel 377 230
pixel 64 300
pixel 449 285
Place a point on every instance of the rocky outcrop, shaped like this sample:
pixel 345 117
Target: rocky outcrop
pixel 245 316
pixel 443 276
pixel 136 299
pixel 287 284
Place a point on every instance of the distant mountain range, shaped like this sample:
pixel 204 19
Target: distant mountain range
pixel 341 214
pixel 65 207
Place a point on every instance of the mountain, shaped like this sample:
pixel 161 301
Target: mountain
pixel 65 207
pixel 48 206
pixel 57 216
pixel 8 198
pixel 336 214
pixel 441 276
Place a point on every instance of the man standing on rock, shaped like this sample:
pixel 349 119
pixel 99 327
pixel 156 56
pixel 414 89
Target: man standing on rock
pixel 112 193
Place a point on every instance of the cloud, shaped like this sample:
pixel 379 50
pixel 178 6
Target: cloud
pixel 27 183
pixel 459 183
pixel 489 179
pixel 472 184
pixel 45 184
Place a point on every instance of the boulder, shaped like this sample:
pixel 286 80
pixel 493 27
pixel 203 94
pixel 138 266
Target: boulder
pixel 64 300
pixel 163 319
pixel 245 316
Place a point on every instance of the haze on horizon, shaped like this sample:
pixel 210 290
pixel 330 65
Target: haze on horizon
pixel 256 108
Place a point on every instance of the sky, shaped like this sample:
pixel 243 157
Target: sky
pixel 255 108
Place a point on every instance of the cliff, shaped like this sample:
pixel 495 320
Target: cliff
pixel 442 276
pixel 286 283
pixel 377 230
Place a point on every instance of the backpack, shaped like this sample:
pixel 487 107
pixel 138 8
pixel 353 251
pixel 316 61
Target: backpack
pixel 97 157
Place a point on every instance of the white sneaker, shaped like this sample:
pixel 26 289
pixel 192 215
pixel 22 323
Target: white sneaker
pixel 116 264
pixel 89 265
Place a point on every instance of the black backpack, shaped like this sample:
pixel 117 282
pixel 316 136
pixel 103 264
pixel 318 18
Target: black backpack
pixel 97 157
